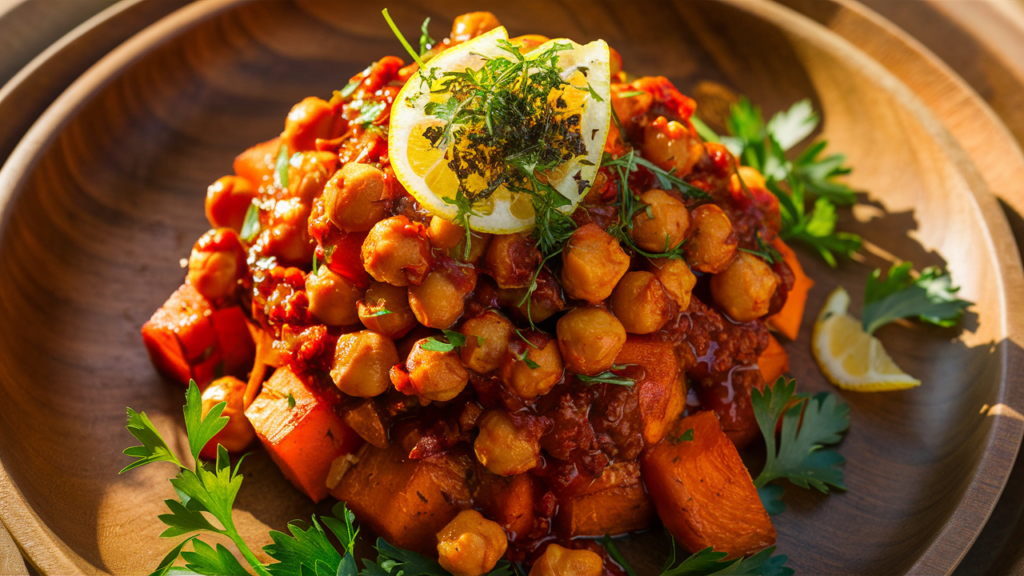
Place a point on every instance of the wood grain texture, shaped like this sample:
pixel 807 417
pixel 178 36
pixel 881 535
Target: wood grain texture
pixel 105 194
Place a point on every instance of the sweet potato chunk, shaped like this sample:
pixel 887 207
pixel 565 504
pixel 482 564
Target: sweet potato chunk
pixel 773 362
pixel 661 392
pixel 703 492
pixel 406 501
pixel 615 503
pixel 509 501
pixel 303 439
pixel 237 349
pixel 181 339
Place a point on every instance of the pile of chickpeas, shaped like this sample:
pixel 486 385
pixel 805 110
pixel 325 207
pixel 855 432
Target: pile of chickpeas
pixel 421 275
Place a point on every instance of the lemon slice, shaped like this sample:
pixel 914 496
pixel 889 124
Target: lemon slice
pixel 851 358
pixel 425 170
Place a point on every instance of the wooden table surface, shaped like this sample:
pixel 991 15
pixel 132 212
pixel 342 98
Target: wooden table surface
pixel 981 40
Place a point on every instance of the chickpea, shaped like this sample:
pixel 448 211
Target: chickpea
pixel 385 310
pixel 751 177
pixel 671 146
pixel 640 303
pixel 590 339
pixel 288 238
pixel 437 376
pixel 513 259
pixel 544 302
pixel 745 289
pixel 355 198
pixel 676 277
pixel 227 201
pixel 397 251
pixel 592 264
pixel 503 448
pixel 362 361
pixel 238 433
pixel 443 234
pixel 663 225
pixel 308 120
pixel 216 264
pixel 332 297
pixel 516 374
pixel 632 108
pixel 478 245
pixel 559 561
pixel 470 545
pixel 441 299
pixel 712 242
pixel 308 180
pixel 487 338
pixel 471 25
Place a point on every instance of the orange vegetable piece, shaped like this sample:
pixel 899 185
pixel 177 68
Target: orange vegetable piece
pixel 773 362
pixel 787 321
pixel 615 503
pixel 407 502
pixel 181 339
pixel 509 501
pixel 703 492
pixel 661 391
pixel 303 439
pixel 237 350
pixel 257 163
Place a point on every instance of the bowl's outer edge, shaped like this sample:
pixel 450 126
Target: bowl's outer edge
pixel 963 526
pixel 1004 440
pixel 43 548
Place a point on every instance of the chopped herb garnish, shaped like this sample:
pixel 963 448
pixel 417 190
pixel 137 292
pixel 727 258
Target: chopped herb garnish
pixel 349 89
pixel 764 250
pixel 369 110
pixel 707 562
pixel 405 43
pixel 608 377
pixel 454 340
pixel 251 224
pixel 808 424
pixel 316 265
pixel 631 94
pixel 613 551
pixel 281 168
pixel 291 400
pixel 380 312
pixel 684 437
pixel 931 297
pixel 426 42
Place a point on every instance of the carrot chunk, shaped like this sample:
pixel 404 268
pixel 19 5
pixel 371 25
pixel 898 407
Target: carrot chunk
pixel 303 436
pixel 773 362
pixel 406 501
pixel 181 339
pixel 615 503
pixel 257 163
pixel 787 321
pixel 509 501
pixel 703 492
pixel 661 392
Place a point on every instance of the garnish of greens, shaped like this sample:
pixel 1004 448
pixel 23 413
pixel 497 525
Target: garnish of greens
pixel 809 423
pixel 205 499
pixel 608 377
pixel 931 298
pixel 454 341
pixel 795 183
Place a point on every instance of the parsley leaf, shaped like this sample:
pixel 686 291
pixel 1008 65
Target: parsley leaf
pixel 818 174
pixel 788 128
pixel 807 425
pixel 707 562
pixel 201 429
pixel 817 228
pixel 204 559
pixel 251 224
pixel 765 251
pixel 454 340
pixel 607 377
pixel 301 552
pixel 684 437
pixel 153 448
pixel 930 298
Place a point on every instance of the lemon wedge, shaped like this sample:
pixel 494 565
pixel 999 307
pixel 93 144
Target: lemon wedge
pixel 851 358
pixel 424 163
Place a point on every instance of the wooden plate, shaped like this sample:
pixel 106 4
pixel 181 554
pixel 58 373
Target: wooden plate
pixel 104 196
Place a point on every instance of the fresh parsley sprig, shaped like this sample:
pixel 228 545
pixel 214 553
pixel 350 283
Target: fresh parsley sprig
pixel 931 297
pixel 707 562
pixel 808 424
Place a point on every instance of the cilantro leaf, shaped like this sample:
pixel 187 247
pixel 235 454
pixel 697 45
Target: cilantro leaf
pixel 807 425
pixel 455 340
pixel 818 174
pixel 302 551
pixel 788 128
pixel 204 559
pixel 281 168
pixel 930 298
pixel 816 228
pixel 153 449
pixel 764 563
pixel 406 562
pixel 686 436
pixel 343 526
pixel 368 112
pixel 168 562
pixel 201 429
pixel 771 498
pixel 251 224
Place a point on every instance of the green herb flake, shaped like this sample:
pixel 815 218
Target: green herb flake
pixel 931 298
pixel 291 401
pixel 381 312
pixel 454 339
pixel 281 168
pixel 684 437
pixel 251 223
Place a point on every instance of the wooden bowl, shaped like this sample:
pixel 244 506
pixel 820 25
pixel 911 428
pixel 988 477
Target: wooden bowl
pixel 104 196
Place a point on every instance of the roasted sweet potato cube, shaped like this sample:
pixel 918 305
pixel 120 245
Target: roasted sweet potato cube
pixel 303 439
pixel 366 420
pixel 509 501
pixel 237 350
pixel 406 501
pixel 180 337
pixel 661 391
pixel 615 503
pixel 773 362
pixel 703 492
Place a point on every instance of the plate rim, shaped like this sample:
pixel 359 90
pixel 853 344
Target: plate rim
pixel 36 539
